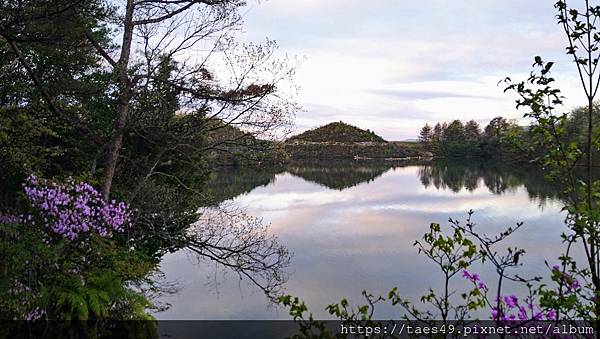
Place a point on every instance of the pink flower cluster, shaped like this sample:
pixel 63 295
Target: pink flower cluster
pixel 474 277
pixel 567 280
pixel 73 209
pixel 510 309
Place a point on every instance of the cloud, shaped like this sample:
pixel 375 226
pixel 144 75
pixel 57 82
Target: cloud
pixel 414 94
pixel 391 66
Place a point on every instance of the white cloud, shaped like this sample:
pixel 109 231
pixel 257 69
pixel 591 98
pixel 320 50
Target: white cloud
pixel 391 66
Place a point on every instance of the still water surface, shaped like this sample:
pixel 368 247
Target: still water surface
pixel 351 226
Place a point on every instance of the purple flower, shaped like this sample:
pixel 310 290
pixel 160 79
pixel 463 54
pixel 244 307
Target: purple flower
pixel 473 277
pixel 35 314
pixel 10 219
pixel 522 313
pixel 495 313
pixel 73 209
pixel 575 284
pixel 511 301
pixel 515 311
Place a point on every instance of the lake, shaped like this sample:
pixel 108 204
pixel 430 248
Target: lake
pixel 351 226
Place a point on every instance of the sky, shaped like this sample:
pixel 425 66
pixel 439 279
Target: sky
pixel 393 65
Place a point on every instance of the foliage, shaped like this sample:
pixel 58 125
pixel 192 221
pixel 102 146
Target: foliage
pixel 105 92
pixel 72 209
pixel 562 156
pixel 459 140
pixel 61 261
pixel 337 132
pixel 234 147
pixel 426 135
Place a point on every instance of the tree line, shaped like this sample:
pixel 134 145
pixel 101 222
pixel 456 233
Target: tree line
pixel 456 139
pixel 501 138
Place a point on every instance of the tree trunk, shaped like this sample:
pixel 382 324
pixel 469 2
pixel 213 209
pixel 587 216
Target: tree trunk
pixel 116 139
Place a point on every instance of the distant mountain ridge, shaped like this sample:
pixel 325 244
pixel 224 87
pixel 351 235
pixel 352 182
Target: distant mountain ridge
pixel 340 132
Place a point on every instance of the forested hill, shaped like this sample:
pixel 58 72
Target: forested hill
pixel 337 132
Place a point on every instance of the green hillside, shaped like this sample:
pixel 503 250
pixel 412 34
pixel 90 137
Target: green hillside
pixel 337 132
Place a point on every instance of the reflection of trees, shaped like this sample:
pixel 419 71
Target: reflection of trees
pixel 229 182
pixel 228 236
pixel 238 241
pixel 449 177
pixel 340 174
pixel 497 177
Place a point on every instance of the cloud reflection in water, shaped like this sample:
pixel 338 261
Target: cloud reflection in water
pixel 359 234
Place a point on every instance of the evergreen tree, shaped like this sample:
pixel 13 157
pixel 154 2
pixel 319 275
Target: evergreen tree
pixel 437 134
pixel 426 134
pixel 496 128
pixel 455 132
pixel 472 131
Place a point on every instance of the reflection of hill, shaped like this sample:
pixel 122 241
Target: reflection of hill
pixel 496 176
pixel 340 174
pixel 228 182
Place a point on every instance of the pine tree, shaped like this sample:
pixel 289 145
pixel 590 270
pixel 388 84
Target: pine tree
pixel 425 136
pixel 472 131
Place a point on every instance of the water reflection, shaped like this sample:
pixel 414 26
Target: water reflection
pixel 497 177
pixel 229 182
pixel 351 227
pixel 339 175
